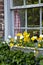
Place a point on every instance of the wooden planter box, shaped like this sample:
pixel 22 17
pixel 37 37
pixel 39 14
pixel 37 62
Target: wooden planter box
pixel 28 49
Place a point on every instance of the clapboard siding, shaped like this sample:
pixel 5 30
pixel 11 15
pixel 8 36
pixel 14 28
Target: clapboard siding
pixel 1 16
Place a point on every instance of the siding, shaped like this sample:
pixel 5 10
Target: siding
pixel 1 17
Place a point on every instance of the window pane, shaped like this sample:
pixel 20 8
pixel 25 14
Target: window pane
pixel 18 31
pixel 31 2
pixel 33 32
pixel 17 2
pixel 42 16
pixel 41 1
pixel 33 17
pixel 19 20
pixel 42 32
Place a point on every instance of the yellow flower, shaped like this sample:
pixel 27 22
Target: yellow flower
pixel 25 33
pixel 20 40
pixel 26 36
pixel 19 34
pixel 11 45
pixel 40 38
pixel 26 39
pixel 33 38
pixel 39 45
pixel 11 39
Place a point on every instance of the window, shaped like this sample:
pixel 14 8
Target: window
pixel 17 3
pixel 28 15
pixel 19 20
pixel 41 1
pixel 33 32
pixel 42 16
pixel 28 2
pixel 33 17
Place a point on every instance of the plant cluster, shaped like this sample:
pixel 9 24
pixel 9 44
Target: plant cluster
pixel 10 57
pixel 24 40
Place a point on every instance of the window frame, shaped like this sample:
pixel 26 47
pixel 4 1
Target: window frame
pixel 29 6
pixel 10 11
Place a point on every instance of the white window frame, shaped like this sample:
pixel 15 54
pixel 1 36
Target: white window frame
pixel 9 11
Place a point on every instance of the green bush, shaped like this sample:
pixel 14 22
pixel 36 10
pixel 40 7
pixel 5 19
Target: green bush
pixel 11 57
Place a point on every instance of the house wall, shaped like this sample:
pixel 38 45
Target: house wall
pixel 1 18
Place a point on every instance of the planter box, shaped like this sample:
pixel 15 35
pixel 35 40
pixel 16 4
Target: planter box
pixel 28 49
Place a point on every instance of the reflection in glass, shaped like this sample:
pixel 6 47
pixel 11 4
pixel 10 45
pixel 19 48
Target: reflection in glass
pixel 32 32
pixel 17 31
pixel 42 32
pixel 42 16
pixel 33 17
pixel 17 2
pixel 19 20
pixel 41 1
pixel 31 2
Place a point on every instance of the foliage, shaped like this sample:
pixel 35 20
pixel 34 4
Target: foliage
pixel 10 57
pixel 24 40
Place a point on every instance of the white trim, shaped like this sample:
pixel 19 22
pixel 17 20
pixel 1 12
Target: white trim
pixel 24 2
pixel 39 1
pixel 26 20
pixel 11 3
pixel 27 6
pixel 5 19
pixel 28 28
pixel 40 20
pixel 13 24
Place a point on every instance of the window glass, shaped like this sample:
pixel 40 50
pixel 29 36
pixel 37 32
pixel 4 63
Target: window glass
pixel 42 31
pixel 32 32
pixel 41 1
pixel 19 18
pixel 17 2
pixel 33 17
pixel 31 2
pixel 18 31
pixel 42 16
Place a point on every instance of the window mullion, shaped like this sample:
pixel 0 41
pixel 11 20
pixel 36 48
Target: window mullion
pixel 24 2
pixel 26 20
pixel 40 20
pixel 39 1
pixel 12 23
pixel 25 16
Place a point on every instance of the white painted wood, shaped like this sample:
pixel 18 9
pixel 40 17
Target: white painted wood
pixel 26 20
pixel 40 20
pixel 7 19
pixel 27 6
